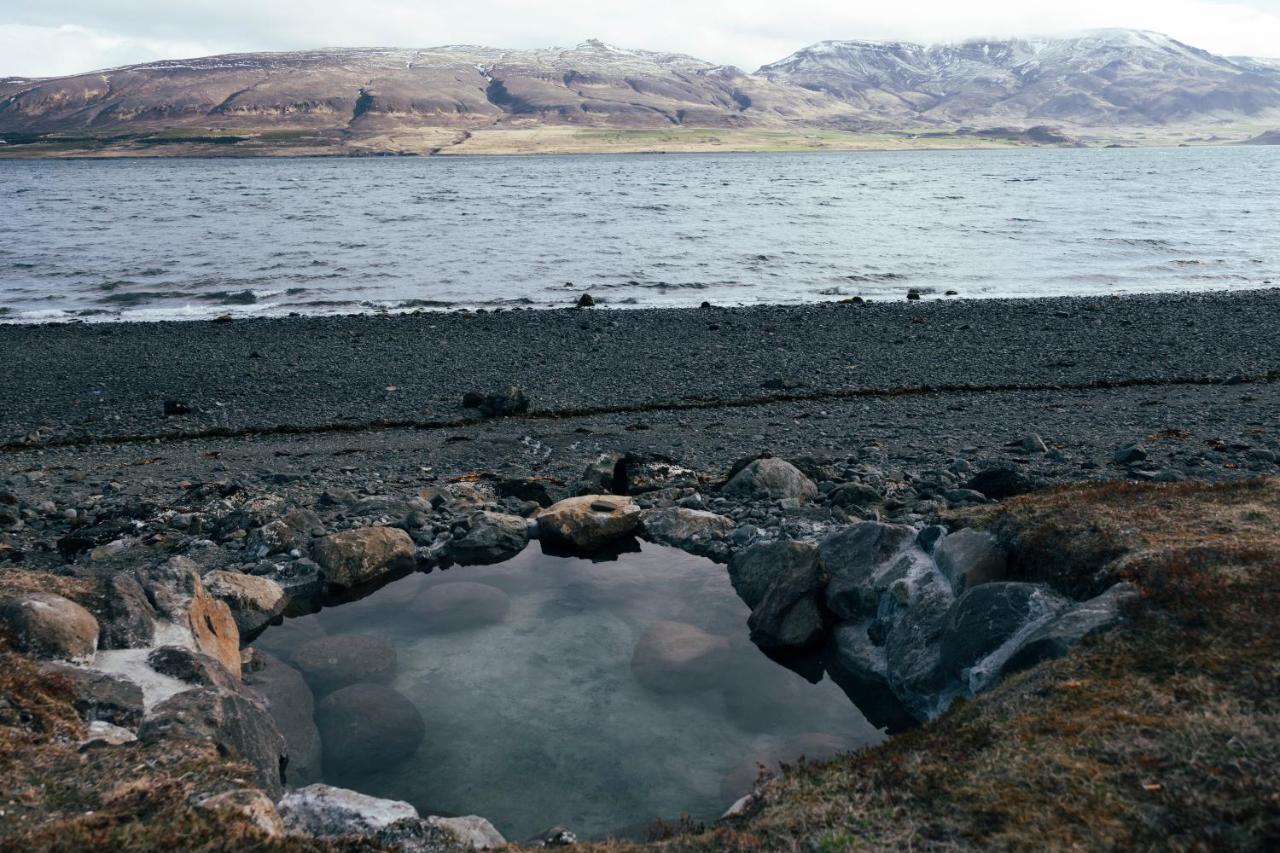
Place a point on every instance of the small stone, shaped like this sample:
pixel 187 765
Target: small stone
pixel 970 558
pixel 586 301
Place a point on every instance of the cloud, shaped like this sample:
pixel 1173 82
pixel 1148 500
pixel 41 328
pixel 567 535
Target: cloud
pixel 37 37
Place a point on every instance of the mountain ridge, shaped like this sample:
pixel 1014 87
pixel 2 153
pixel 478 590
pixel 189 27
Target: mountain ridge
pixel 425 100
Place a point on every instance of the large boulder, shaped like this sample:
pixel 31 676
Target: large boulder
pixel 590 521
pixel 771 478
pixel 971 557
pixel 291 704
pixel 49 626
pixel 355 557
pixel 126 620
pixel 674 657
pixel 368 727
pixel 862 561
pixel 332 662
pixel 254 601
pixel 325 812
pixel 491 537
pixel 234 722
pixel 986 617
pixel 911 627
pixel 98 696
pixel 692 530
pixel 780 582
pixel 1055 638
pixel 459 605
pixel 861 668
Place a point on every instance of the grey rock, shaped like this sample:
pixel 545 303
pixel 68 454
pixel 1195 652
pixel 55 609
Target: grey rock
pixel 861 669
pixel 1129 455
pixel 970 558
pixel 49 626
pixel 599 476
pixel 855 496
pixel 491 537
pixel 781 583
pixel 771 478
pixel 911 620
pixel 99 696
pixel 192 668
pixel 987 616
pixel 300 579
pixel 126 619
pixel 331 662
pixel 1002 482
pixel 1059 635
pixel 367 727
pixel 324 811
pixel 238 725
pixel 695 531
pixel 929 537
pixel 291 704
pixel 504 402
pixel 861 561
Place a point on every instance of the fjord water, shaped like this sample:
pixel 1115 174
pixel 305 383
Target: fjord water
pixel 152 239
pixel 536 702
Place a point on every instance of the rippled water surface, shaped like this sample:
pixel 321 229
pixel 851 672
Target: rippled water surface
pixel 541 704
pixel 190 238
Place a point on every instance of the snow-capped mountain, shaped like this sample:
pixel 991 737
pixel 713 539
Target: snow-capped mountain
pixel 1099 78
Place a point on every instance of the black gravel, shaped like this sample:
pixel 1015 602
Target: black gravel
pixel 77 381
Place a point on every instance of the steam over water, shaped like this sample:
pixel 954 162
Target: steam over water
pixel 152 239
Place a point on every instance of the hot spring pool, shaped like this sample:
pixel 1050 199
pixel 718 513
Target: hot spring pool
pixel 550 690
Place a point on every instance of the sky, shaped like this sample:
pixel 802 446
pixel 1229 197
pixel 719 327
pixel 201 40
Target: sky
pixel 39 38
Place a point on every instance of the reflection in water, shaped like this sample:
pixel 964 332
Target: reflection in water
pixel 557 690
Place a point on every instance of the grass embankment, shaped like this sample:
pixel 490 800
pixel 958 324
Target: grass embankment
pixel 1164 734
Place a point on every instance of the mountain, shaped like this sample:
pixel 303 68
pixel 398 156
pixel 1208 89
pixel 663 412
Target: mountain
pixel 1098 79
pixel 479 98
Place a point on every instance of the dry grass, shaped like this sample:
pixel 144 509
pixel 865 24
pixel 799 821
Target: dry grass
pixel 1165 735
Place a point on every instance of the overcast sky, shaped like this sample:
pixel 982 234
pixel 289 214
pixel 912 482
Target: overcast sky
pixel 38 37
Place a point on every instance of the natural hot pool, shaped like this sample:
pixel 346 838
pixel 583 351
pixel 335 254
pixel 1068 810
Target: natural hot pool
pixel 556 690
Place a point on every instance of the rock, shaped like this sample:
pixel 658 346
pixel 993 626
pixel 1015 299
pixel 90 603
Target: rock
pixel 961 497
pixel 1055 638
pixel 254 601
pixel 294 530
pixel 329 663
pixel 175 589
pixel 1129 455
pixel 910 625
pixel 289 701
pixel 985 617
pixel 49 626
pixel 102 733
pixel 300 580
pixel 1031 444
pixel 780 582
pixel 854 496
pixel 460 605
pixel 861 669
pixel 175 408
pixel 246 805
pixel 192 667
pixel 555 836
pixel 126 619
pixel 504 402
pixel 970 558
pixel 356 557
pixel 97 696
pixel 471 831
pixel 589 522
pixel 324 811
pixel 695 531
pixel 861 561
pixel 675 657
pixel 913 295
pixel 367 727
pixel 586 301
pixel 771 478
pixel 601 476
pixel 540 490
pixel 491 537
pixel 235 723
pixel 85 538
pixel 650 472
pixel 929 537
pixel 1001 482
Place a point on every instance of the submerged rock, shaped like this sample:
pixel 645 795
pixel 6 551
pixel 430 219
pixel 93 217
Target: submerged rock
pixel 590 521
pixel 674 657
pixel 368 727
pixel 331 662
pixel 49 626
pixel 459 605
pixel 771 478
pixel 356 557
pixel 491 537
